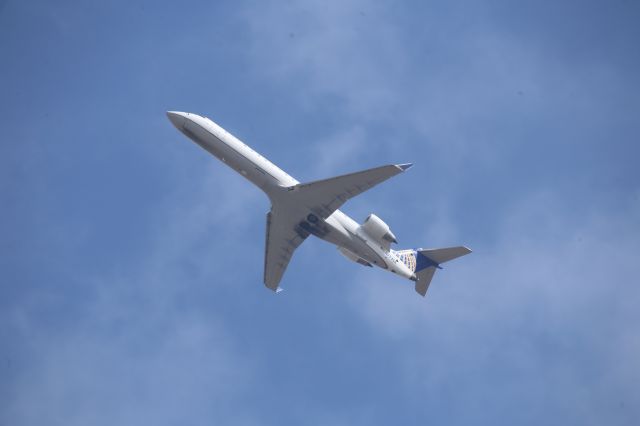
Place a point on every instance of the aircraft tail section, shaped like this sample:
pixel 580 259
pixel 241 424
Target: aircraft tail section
pixel 424 263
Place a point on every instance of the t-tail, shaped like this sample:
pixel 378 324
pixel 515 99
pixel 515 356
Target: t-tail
pixel 424 262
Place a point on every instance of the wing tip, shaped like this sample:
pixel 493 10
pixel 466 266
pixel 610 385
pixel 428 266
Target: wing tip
pixel 277 289
pixel 404 167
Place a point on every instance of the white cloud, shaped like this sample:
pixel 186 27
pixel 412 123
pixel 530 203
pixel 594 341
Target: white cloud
pixel 134 354
pixel 552 303
pixel 553 299
pixel 143 371
pixel 468 96
pixel 342 49
pixel 337 153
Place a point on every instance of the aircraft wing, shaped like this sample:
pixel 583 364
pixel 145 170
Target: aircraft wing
pixel 325 196
pixel 281 241
pixel 286 231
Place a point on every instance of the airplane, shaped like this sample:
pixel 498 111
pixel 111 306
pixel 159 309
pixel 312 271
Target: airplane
pixel 299 210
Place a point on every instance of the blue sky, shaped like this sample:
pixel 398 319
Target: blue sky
pixel 131 260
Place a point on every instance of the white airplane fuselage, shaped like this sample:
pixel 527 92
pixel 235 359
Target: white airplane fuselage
pixel 338 229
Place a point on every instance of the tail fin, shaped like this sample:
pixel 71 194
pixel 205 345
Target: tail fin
pixel 425 261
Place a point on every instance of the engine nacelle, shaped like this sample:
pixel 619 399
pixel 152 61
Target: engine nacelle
pixel 376 229
pixel 353 257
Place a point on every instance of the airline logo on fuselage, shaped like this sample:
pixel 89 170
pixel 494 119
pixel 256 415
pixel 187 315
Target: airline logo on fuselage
pixel 408 257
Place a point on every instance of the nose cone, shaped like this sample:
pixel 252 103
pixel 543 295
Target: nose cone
pixel 177 118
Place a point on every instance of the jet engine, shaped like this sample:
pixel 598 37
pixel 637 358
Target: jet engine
pixel 376 229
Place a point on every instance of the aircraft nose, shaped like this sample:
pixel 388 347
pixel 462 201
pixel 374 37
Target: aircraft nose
pixel 176 118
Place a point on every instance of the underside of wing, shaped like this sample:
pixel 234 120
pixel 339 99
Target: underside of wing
pixel 281 241
pixel 325 196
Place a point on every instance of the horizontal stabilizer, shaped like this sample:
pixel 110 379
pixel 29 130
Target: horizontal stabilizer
pixel 424 279
pixel 442 255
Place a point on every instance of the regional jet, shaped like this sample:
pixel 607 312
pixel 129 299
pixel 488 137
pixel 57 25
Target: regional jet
pixel 299 210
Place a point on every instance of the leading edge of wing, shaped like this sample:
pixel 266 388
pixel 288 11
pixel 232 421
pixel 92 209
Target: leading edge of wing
pixel 327 195
pixel 391 169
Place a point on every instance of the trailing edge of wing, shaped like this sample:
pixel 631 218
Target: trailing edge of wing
pixel 325 196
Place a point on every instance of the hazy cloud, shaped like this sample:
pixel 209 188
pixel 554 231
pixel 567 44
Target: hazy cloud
pixel 132 261
pixel 569 283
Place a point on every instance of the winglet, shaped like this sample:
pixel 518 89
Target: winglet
pixel 404 167
pixel 279 289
